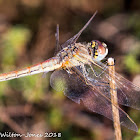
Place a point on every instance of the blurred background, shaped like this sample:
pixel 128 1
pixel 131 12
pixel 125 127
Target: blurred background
pixel 27 36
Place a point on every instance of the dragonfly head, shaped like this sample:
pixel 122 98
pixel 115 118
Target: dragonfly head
pixel 97 50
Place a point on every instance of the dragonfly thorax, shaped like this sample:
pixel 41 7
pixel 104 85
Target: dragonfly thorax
pixel 74 55
pixel 67 52
pixel 97 50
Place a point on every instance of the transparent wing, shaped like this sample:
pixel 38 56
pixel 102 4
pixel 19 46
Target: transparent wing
pixel 128 93
pixel 73 39
pixel 58 47
pixel 77 90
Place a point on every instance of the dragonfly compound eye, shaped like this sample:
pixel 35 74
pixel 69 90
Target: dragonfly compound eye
pixel 99 50
pixel 104 44
pixel 102 48
pixel 94 44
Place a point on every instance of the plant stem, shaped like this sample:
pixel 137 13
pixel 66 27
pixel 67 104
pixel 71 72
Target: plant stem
pixel 114 99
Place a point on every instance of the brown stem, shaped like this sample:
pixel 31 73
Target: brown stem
pixel 113 92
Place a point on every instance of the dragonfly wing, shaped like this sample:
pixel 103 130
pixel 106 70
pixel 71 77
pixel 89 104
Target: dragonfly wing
pixel 58 47
pixel 128 93
pixel 73 39
pixel 76 90
pixel 129 90
pixel 62 81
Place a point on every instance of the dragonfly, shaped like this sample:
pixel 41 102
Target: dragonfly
pixel 79 72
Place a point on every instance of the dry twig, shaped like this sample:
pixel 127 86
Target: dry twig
pixel 113 92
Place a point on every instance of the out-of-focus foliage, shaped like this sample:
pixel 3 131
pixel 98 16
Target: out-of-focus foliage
pixel 134 22
pixel 137 137
pixel 132 62
pixel 14 41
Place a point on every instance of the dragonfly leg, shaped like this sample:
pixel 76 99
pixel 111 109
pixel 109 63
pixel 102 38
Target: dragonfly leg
pixel 84 73
pixel 98 75
pixel 84 70
pixel 68 70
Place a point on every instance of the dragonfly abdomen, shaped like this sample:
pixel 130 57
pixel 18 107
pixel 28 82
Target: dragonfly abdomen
pixel 46 66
